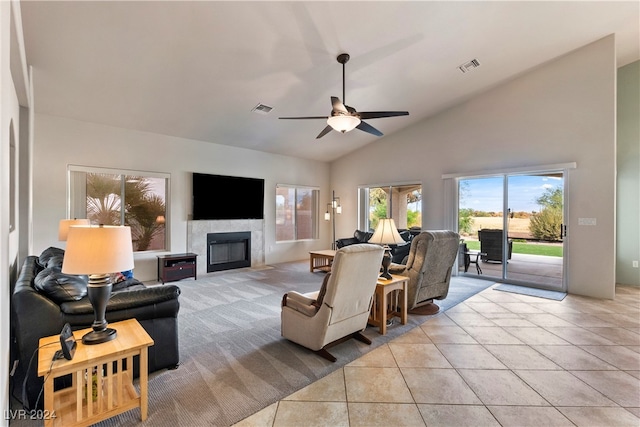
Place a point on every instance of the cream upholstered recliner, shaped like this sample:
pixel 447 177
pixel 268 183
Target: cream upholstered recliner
pixel 341 308
pixel 428 267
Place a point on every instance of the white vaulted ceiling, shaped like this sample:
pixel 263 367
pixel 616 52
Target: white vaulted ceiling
pixel 195 69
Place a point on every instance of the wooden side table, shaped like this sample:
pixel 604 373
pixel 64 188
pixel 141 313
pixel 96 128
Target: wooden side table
pixel 98 390
pixel 384 307
pixel 321 260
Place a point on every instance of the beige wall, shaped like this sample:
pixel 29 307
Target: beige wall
pixel 60 142
pixel 14 93
pixel 628 207
pixel 552 114
pixel 5 105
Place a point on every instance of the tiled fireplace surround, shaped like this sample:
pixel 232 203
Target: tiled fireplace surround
pixel 197 238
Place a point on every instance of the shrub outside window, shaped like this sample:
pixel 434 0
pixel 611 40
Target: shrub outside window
pixel 115 197
pixel 296 213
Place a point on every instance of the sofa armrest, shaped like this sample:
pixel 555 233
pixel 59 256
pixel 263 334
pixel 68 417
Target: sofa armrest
pixel 340 243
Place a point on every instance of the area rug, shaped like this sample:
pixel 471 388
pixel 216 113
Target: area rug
pixel 233 361
pixel 540 293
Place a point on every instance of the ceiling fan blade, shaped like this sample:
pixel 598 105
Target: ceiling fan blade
pixel 369 129
pixel 324 132
pixel 304 118
pixel 338 105
pixel 381 114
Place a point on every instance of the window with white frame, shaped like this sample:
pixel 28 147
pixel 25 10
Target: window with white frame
pixel 296 213
pixel 402 202
pixel 118 197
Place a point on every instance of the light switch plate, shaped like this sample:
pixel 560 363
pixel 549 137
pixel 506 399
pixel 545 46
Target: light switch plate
pixel 586 221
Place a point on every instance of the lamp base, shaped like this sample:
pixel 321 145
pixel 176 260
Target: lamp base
pixel 98 337
pixel 386 262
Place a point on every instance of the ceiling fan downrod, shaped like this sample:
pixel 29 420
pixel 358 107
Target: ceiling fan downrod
pixel 343 58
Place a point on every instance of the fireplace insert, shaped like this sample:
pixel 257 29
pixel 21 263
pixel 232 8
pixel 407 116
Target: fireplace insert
pixel 226 251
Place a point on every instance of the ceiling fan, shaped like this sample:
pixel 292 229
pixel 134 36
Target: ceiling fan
pixel 344 118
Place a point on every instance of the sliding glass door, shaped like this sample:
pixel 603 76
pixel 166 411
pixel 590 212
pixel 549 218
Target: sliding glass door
pixel 530 207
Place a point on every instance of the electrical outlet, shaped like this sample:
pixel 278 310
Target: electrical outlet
pixel 634 264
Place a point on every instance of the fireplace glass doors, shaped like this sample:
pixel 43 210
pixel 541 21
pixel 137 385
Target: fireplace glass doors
pixel 226 251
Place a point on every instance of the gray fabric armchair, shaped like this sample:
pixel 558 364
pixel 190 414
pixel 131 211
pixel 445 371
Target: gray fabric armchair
pixel 428 267
pixel 340 308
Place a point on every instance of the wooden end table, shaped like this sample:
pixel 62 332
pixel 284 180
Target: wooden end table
pixel 384 307
pixel 321 260
pixel 109 391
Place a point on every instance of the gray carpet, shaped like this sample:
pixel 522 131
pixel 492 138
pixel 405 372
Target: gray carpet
pixel 524 290
pixel 234 361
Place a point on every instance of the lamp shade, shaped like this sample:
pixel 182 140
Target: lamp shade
pixel 343 123
pixel 386 233
pixel 100 249
pixel 63 227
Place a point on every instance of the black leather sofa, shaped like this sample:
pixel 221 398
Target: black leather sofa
pixel 398 252
pixel 43 301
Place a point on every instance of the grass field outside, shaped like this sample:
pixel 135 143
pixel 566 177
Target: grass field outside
pixel 528 248
pixel 518 228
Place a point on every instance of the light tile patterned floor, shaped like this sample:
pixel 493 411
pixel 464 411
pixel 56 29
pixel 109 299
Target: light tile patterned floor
pixel 498 359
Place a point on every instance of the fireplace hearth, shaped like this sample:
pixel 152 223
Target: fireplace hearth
pixel 226 251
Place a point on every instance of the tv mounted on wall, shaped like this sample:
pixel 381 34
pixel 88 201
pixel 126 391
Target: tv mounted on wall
pixel 227 197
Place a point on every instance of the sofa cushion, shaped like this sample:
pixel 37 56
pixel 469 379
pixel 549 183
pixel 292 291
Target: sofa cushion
pixel 362 236
pixel 51 257
pixel 148 300
pixel 406 235
pixel 60 287
pixel 128 285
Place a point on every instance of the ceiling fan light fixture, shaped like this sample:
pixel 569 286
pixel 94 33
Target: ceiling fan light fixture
pixel 343 123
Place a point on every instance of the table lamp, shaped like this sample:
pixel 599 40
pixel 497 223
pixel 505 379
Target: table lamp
pixel 386 234
pixel 98 251
pixel 63 227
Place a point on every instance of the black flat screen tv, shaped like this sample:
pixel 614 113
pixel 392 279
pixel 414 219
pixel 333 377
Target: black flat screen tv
pixel 227 197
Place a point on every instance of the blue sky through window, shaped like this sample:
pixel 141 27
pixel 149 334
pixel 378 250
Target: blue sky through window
pixel 485 194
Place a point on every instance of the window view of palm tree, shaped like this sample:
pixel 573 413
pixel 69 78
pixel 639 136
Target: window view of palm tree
pixel 116 199
pixel 406 205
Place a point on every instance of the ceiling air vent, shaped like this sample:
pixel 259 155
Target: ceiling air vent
pixel 468 66
pixel 262 109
